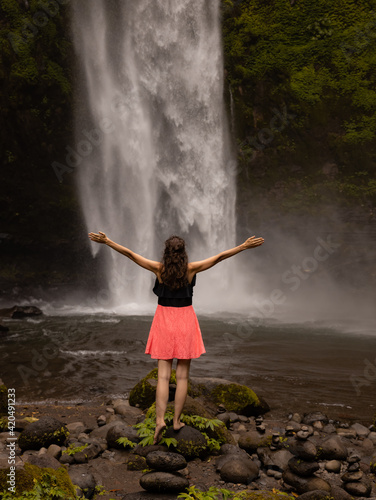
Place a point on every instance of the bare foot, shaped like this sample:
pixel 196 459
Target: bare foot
pixel 178 426
pixel 158 433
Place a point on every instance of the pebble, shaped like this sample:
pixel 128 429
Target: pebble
pixel 333 466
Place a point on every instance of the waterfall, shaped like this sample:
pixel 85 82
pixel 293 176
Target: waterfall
pixel 150 111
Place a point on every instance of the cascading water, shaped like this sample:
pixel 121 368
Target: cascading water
pixel 151 105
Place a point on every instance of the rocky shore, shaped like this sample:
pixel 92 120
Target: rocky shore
pixel 228 443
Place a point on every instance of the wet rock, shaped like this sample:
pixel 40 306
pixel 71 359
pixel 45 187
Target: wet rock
pixel 251 440
pixel 229 457
pixel 317 416
pixel 333 466
pixel 66 459
pixel 17 312
pixel 75 428
pixel 81 477
pixel 275 460
pixel 351 477
pixel 136 462
pixel 353 459
pixel 101 420
pixel 314 495
pixel 332 448
pixel 239 471
pixel 54 451
pixel 347 433
pixel 164 482
pixel 121 430
pixel 145 450
pixel 359 488
pixel 165 461
pixel 303 468
pixel 44 461
pixel 361 430
pixel 302 485
pixel 101 432
pixel 296 418
pixel 329 429
pixel 224 417
pixel 46 431
pixel 303 449
pixel 191 443
pixel 339 494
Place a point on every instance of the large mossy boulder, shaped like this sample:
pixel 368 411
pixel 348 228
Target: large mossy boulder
pixel 191 443
pixel 143 393
pixel 42 433
pixel 235 397
pixel 30 476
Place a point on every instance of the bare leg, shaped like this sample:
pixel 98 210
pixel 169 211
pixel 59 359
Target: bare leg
pixel 164 374
pixel 182 373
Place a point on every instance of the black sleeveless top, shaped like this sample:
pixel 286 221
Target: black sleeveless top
pixel 180 297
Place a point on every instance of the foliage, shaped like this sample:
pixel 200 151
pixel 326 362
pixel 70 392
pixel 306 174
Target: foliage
pixel 127 443
pixel 214 493
pixel 71 450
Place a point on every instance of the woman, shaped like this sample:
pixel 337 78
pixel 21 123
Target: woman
pixel 175 332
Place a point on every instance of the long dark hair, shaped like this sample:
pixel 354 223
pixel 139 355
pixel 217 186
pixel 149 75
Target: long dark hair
pixel 175 263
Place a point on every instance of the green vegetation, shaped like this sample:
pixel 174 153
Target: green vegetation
pixel 71 450
pixel 214 493
pixel 126 442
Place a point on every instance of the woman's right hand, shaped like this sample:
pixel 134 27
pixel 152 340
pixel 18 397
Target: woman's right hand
pixel 253 242
pixel 98 238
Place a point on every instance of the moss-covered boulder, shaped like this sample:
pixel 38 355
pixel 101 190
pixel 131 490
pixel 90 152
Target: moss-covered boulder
pixel 3 399
pixel 250 441
pixel 46 431
pixel 31 476
pixel 235 397
pixel 191 443
pixel 143 393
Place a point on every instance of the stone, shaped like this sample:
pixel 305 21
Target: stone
pixel 351 477
pixel 314 495
pixel 66 459
pixel 191 443
pixel 353 459
pixel 317 416
pixel 235 397
pixel 372 437
pixel 101 432
pixel 44 461
pixel 332 448
pixel 302 485
pixel 239 470
pixel 3 328
pixel 303 449
pixel 303 468
pixel 359 488
pixel 296 418
pixel 361 430
pixel 144 451
pixel 333 466
pixel 339 493
pixel 18 312
pixel 81 477
pixel 347 433
pixel 54 451
pixel 275 460
pixel 101 420
pixel 224 417
pixel 136 462
pixel 165 461
pixel 45 431
pixel 121 430
pixel 75 428
pixel 251 440
pixel 223 459
pixel 164 482
pixel 329 429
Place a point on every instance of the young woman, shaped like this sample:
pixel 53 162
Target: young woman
pixel 175 332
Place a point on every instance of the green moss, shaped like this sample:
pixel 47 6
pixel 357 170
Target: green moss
pixel 31 475
pixel 143 393
pixel 137 462
pixel 31 442
pixel 235 397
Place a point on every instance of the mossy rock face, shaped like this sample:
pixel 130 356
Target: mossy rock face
pixel 25 480
pixel 46 431
pixel 191 443
pixel 143 393
pixel 3 400
pixel 239 399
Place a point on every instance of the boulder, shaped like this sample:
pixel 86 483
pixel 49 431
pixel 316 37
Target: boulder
pixel 223 459
pixel 359 488
pixel 333 448
pixel 251 440
pixel 305 450
pixel 275 460
pixel 314 495
pixel 191 443
pixel 302 485
pixel 303 468
pixel 17 312
pixel 44 461
pixel 239 470
pixel 75 428
pixel 361 430
pixel 333 466
pixel 165 461
pixel 118 431
pixel 316 416
pixel 164 482
pixel 234 397
pixel 42 433
pixel 82 477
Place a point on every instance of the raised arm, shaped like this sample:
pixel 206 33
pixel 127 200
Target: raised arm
pixel 203 265
pixel 150 265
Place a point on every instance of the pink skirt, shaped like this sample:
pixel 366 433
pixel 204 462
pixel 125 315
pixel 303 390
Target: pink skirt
pixel 175 333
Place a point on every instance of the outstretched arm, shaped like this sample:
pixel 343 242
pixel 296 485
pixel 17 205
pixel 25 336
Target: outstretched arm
pixel 203 265
pixel 150 265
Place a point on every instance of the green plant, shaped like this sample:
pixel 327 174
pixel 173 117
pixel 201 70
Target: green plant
pixel 46 487
pixel 126 442
pixel 212 493
pixel 71 450
pixel 146 431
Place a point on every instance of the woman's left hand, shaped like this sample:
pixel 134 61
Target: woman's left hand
pixel 99 238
